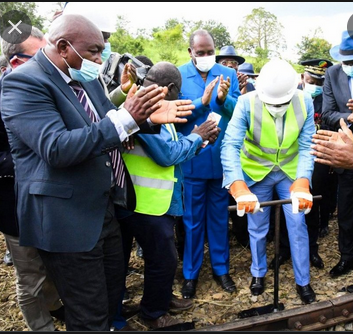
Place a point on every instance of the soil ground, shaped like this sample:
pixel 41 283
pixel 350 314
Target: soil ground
pixel 212 306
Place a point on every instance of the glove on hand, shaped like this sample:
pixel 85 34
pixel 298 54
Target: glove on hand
pixel 302 199
pixel 247 202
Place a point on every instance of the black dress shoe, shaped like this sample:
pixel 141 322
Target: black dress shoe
pixel 341 268
pixel 306 293
pixel 226 282
pixel 349 288
pixel 59 313
pixel 316 261
pixel 257 286
pixel 189 288
pixel 281 259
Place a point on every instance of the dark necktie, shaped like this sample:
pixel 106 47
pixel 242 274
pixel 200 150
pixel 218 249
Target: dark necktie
pixel 118 166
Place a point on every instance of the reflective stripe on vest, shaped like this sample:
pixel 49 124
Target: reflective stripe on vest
pixel 153 183
pixel 261 150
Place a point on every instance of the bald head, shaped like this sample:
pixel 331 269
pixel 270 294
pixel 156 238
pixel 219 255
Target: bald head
pixel 165 74
pixel 72 27
pixel 72 38
pixel 200 34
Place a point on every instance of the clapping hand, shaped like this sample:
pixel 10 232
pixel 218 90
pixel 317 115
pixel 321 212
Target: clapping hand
pixel 208 130
pixel 207 94
pixel 128 77
pixel 223 88
pixel 334 148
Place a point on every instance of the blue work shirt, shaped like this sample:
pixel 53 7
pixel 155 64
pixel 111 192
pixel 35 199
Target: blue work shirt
pixel 234 138
pixel 167 152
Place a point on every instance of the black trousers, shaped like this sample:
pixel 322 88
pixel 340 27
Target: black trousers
pixel 155 235
pixel 90 283
pixel 345 215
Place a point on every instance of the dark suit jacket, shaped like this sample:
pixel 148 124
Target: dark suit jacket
pixel 62 166
pixel 335 97
pixel 8 223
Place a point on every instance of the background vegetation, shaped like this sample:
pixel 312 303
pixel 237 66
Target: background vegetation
pixel 260 37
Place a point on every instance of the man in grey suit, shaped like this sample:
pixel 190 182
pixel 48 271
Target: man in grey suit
pixel 338 103
pixel 65 185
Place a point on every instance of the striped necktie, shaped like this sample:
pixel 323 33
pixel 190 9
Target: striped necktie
pixel 118 165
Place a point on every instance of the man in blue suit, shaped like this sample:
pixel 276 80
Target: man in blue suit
pixel 214 90
pixel 65 185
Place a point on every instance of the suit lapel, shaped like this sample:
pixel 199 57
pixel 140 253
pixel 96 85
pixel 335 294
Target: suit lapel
pixel 58 80
pixel 344 84
pixel 92 93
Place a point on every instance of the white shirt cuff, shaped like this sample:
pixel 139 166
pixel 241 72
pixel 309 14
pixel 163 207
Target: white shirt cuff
pixel 124 123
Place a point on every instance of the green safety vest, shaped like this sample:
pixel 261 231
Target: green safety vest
pixel 153 183
pixel 261 150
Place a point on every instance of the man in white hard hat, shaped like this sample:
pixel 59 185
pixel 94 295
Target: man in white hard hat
pixel 267 146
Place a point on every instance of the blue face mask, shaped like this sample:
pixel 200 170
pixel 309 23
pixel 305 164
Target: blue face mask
pixel 313 90
pixel 89 70
pixel 348 70
pixel 106 52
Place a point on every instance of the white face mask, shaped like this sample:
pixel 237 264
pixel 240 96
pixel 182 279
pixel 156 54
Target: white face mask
pixel 313 90
pixel 204 64
pixel 277 111
pixel 348 70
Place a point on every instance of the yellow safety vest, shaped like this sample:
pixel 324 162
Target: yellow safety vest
pixel 153 183
pixel 261 150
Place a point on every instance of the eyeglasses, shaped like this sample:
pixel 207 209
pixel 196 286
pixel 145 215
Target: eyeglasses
pixel 229 62
pixel 20 55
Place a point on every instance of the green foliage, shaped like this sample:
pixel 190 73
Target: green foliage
pixel 218 30
pixel 121 41
pixel 260 30
pixel 29 8
pixel 314 47
pixel 163 39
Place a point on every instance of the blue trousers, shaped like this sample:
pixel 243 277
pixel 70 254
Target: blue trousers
pixel 206 211
pixel 258 226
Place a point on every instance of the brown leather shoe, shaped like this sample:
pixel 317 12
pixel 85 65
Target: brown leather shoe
pixel 161 322
pixel 178 305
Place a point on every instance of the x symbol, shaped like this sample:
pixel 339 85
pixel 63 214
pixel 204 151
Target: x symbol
pixel 15 27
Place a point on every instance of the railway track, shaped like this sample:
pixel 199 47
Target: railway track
pixel 313 317
pixel 274 317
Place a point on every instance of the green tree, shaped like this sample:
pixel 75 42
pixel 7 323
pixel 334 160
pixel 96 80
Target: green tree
pixel 29 8
pixel 169 41
pixel 260 30
pixel 218 30
pixel 314 47
pixel 121 41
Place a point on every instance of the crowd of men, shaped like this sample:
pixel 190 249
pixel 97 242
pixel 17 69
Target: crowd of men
pixel 84 170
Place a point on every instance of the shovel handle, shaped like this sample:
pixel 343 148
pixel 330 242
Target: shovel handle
pixel 274 202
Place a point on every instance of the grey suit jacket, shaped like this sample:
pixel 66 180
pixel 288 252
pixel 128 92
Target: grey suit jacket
pixel 336 94
pixel 62 166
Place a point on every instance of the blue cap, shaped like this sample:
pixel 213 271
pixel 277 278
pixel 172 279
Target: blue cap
pixel 343 51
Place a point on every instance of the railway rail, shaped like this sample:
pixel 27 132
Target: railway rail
pixel 313 317
pixel 273 317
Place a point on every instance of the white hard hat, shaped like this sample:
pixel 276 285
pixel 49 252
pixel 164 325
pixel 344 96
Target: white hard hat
pixel 277 82
pixel 100 13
